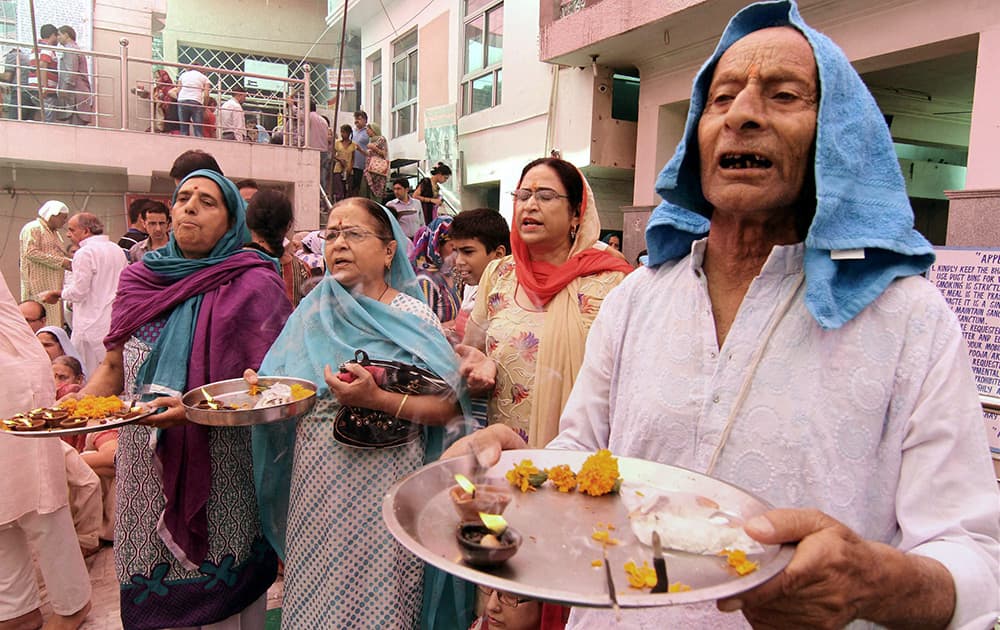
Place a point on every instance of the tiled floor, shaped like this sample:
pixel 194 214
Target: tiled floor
pixel 104 599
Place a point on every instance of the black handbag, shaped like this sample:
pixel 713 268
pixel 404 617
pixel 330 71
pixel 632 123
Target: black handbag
pixel 359 427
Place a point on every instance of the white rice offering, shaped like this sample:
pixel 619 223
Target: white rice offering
pixel 277 394
pixel 685 521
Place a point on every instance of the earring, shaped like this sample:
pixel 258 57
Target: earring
pixel 572 234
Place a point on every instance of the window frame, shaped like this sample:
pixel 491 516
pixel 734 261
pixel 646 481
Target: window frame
pixel 375 87
pixel 410 55
pixel 494 70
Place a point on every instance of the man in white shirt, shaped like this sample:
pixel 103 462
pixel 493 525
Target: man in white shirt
pixel 751 350
pixel 407 209
pixel 231 118
pixel 96 268
pixel 190 101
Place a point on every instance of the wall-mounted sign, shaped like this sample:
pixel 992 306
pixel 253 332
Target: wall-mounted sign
pixel 346 79
pixel 968 280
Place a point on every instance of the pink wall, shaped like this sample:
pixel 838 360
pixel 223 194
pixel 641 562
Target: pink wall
pixel 433 82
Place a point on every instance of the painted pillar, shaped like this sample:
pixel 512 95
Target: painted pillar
pixel 984 135
pixel 974 213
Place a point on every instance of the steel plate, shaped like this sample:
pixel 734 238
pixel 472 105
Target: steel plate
pixel 234 392
pixel 554 561
pixel 112 423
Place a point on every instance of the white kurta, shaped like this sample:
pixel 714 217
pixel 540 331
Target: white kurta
pixel 96 267
pixel 33 470
pixel 877 423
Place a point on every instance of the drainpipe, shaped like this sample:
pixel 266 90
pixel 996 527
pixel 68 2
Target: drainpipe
pixel 123 81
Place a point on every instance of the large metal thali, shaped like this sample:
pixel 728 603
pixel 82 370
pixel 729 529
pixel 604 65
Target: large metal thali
pixel 555 560
pixel 95 425
pixel 234 392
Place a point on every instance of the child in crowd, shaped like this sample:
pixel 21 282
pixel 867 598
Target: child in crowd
pixel 478 237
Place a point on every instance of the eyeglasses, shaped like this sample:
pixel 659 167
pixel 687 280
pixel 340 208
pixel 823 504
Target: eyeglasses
pixel 542 194
pixel 507 599
pixel 351 235
pixel 36 319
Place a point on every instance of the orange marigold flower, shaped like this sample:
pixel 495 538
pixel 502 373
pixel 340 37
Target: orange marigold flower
pixel 599 474
pixel 526 476
pixel 562 477
pixel 92 406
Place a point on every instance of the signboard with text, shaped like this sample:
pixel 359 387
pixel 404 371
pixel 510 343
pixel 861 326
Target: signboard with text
pixel 968 280
pixel 346 79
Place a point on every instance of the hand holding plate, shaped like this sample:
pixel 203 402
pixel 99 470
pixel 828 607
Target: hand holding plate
pixel 173 414
pixel 250 376
pixel 836 576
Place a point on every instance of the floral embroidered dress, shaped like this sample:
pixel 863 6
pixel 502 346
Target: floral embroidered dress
pixel 514 332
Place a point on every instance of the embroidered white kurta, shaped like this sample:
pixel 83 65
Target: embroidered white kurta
pixel 34 470
pixel 877 423
pixel 96 267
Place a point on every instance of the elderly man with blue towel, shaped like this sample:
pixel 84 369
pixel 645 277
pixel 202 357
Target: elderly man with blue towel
pixel 782 339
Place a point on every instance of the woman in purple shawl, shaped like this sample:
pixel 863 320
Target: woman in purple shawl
pixel 188 546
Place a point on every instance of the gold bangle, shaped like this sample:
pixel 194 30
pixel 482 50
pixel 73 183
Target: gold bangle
pixel 399 409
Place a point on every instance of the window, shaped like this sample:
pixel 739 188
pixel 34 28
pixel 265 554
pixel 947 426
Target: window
pixel 8 19
pixel 375 87
pixel 404 85
pixel 482 73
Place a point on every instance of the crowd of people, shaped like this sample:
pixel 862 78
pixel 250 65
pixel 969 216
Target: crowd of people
pixel 838 390
pixel 52 85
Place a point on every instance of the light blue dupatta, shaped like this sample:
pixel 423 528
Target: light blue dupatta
pixel 327 327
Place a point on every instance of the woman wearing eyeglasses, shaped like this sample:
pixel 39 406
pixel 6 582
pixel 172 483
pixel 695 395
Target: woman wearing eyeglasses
pixel 506 611
pixel 525 338
pixel 321 498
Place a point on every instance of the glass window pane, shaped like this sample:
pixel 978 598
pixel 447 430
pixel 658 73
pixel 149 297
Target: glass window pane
pixel 474 44
pixel 494 37
pixel 376 62
pixel 404 121
pixel 376 113
pixel 465 98
pixel 471 6
pixel 414 74
pixel 482 93
pixel 399 82
pixel 499 89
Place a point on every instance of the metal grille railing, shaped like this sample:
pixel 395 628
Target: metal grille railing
pixel 130 98
pixel 231 60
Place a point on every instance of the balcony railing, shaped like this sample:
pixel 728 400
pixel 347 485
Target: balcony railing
pixel 137 94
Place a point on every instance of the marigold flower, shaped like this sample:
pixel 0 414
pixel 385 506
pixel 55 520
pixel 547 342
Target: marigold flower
pixel 562 477
pixel 599 474
pixel 92 406
pixel 526 476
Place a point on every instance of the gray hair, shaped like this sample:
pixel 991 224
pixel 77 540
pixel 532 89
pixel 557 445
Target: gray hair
pixel 90 222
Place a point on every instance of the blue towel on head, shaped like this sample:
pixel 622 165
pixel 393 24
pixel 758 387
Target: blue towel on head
pixel 861 200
